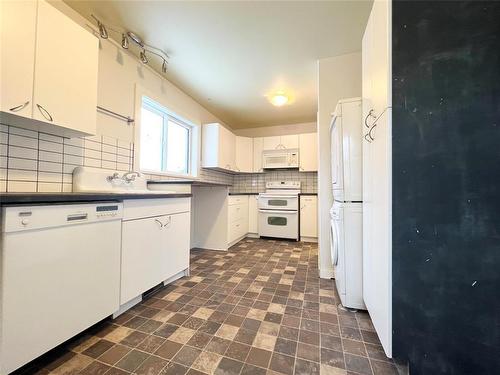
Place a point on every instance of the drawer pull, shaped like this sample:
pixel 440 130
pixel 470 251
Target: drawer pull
pixel 19 107
pixel 76 217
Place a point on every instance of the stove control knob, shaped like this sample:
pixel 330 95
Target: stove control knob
pixel 25 222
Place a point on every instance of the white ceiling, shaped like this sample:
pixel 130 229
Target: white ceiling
pixel 228 55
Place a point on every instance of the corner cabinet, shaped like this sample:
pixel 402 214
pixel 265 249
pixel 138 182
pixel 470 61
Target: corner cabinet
pixel 244 153
pixel 308 152
pixel 218 148
pixel 49 75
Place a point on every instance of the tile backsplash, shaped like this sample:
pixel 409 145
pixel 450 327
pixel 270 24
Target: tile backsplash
pixel 256 182
pixel 32 161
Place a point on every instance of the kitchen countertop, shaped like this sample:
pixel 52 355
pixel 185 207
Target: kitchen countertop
pixel 37 198
pixel 259 193
pixel 189 182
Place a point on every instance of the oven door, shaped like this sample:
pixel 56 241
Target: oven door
pixel 278 202
pixel 280 224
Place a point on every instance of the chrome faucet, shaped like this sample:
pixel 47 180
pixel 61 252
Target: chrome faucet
pixel 113 177
pixel 130 176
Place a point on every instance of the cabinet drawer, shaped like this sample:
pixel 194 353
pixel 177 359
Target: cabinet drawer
pixel 237 212
pixel 237 199
pixel 237 229
pixel 140 208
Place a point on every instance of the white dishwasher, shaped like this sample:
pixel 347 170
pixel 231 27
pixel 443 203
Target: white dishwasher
pixel 60 274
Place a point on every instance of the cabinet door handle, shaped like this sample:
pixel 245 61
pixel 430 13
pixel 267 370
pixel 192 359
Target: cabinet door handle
pixel 159 223
pixel 370 114
pixel 370 132
pixel 367 139
pixel 19 107
pixel 169 220
pixel 45 113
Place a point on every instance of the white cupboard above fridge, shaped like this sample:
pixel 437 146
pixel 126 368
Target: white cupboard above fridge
pixel 49 75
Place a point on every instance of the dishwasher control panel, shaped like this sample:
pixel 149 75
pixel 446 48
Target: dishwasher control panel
pixel 105 211
pixel 22 218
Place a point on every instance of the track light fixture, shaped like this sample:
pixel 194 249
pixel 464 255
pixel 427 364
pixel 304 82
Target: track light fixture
pixel 124 41
pixel 127 36
pixel 143 56
pixel 102 29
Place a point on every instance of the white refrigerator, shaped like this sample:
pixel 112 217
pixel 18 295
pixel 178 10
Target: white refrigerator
pixel 346 214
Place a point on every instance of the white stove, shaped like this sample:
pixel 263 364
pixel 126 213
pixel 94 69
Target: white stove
pixel 279 210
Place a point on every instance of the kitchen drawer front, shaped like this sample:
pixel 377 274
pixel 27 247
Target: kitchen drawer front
pixel 237 212
pixel 237 229
pixel 140 208
pixel 238 199
pixel 153 250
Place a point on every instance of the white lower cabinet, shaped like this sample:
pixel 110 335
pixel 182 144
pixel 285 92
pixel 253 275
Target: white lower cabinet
pixel 237 218
pixel 153 248
pixel 308 218
pixel 253 215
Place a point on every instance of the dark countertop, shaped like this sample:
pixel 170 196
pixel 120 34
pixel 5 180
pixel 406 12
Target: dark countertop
pixel 189 182
pixel 37 198
pixel 259 193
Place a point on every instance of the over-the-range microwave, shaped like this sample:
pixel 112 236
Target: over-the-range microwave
pixel 280 159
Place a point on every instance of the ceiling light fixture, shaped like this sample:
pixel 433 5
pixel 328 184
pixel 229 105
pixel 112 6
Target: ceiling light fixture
pixel 124 41
pixel 143 56
pixel 135 38
pixel 102 29
pixel 279 99
pixel 127 36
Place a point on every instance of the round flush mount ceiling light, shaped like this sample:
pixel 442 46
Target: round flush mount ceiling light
pixel 279 99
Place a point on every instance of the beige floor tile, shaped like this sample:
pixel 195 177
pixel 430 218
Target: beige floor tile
pixel 264 341
pixel 227 332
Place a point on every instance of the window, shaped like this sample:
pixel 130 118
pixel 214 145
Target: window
pixel 165 140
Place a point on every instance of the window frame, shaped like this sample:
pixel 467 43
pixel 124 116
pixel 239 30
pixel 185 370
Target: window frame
pixel 152 104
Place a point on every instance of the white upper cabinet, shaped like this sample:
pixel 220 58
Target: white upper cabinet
pixel 50 71
pixel 281 142
pixel 17 60
pixel 218 147
pixel 244 154
pixel 290 141
pixel 258 147
pixel 308 152
pixel 65 90
pixel 272 143
pixel 376 62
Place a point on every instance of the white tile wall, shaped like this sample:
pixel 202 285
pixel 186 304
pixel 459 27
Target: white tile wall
pixel 31 161
pixel 256 183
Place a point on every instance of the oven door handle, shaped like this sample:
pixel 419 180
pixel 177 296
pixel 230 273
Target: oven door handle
pixel 283 212
pixel 279 196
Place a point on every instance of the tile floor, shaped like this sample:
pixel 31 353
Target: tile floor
pixel 258 309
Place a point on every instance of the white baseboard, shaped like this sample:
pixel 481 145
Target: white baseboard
pixel 309 239
pixel 127 305
pixel 326 273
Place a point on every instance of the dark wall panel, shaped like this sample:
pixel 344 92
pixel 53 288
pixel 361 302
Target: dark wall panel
pixel 446 186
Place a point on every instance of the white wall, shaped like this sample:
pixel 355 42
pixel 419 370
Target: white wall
pixel 266 131
pixel 338 77
pixel 119 72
